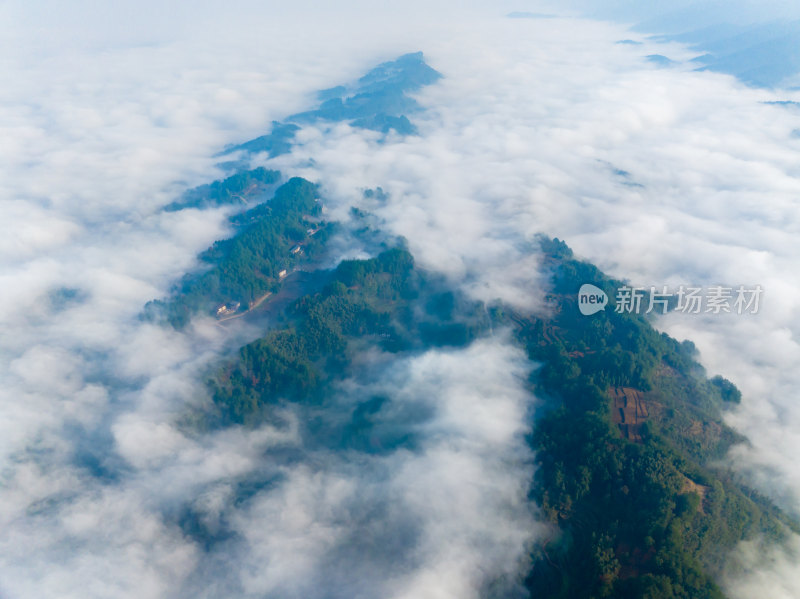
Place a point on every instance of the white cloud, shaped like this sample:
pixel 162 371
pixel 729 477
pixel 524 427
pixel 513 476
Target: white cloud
pixel 438 519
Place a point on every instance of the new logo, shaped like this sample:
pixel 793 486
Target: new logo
pixel 591 299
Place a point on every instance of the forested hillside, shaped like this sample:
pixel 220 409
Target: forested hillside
pixel 626 446
pixel 233 274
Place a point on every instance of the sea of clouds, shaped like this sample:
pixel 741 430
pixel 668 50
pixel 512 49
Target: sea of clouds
pixel 661 176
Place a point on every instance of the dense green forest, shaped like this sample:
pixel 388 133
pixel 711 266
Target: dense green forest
pixel 625 449
pixel 383 302
pixel 238 188
pixel 270 238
